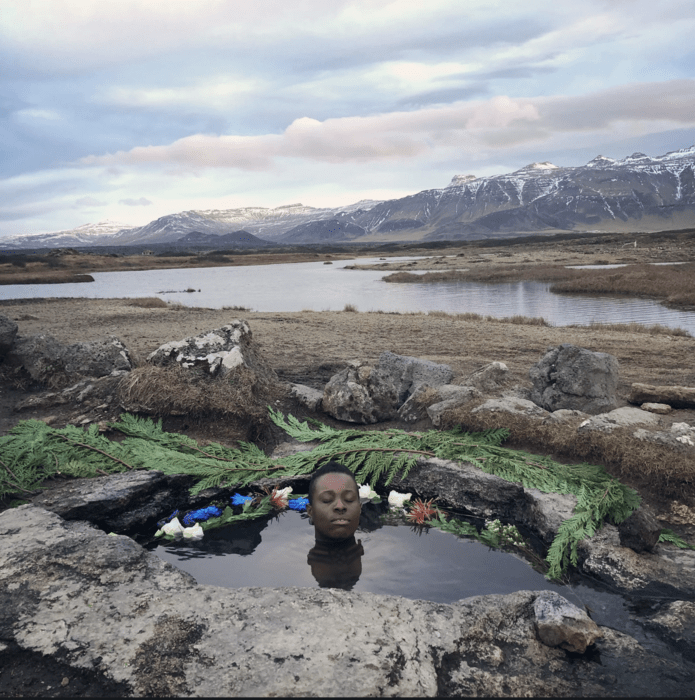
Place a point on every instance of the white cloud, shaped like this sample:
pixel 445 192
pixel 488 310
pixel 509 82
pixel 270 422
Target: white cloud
pixel 219 93
pixel 142 202
pixel 34 114
pixel 89 202
pixel 500 122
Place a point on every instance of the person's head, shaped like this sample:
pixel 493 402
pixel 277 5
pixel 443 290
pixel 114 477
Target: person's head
pixel 334 502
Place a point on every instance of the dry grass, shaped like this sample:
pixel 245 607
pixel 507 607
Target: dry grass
pixel 240 397
pixel 495 274
pixel 47 278
pixel 633 327
pixel 655 470
pixel 673 284
pixel 350 307
pixel 148 303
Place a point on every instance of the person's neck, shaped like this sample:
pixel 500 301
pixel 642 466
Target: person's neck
pixel 332 543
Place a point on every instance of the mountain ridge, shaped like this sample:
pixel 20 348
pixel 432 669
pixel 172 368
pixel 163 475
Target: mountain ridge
pixel 635 193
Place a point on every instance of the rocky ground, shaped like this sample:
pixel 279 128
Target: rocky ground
pixel 309 348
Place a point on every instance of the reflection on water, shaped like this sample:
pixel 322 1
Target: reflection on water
pixel 318 287
pixel 394 559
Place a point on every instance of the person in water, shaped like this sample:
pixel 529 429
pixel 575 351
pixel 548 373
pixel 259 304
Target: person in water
pixel 334 509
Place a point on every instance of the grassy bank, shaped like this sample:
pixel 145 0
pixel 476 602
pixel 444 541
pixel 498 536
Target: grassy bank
pixel 670 284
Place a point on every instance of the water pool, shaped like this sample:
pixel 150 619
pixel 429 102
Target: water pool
pixel 397 559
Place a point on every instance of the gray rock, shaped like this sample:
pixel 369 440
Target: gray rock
pixel 120 502
pixel 511 404
pixel 8 332
pixel 675 624
pixel 63 584
pixel 674 396
pixel 40 355
pixel 564 415
pixel 423 402
pixel 679 443
pixel 619 418
pixel 572 377
pixel 307 396
pixel 462 487
pixel 99 602
pixel 217 352
pixel 667 571
pixel 640 532
pixel 360 394
pixel 97 358
pixel 45 358
pixel 406 373
pixel 661 408
pixel 489 378
pixel 561 624
pixel 455 397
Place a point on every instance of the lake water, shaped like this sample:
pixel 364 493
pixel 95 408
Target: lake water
pixel 319 287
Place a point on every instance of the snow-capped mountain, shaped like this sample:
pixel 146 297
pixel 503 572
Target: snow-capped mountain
pixel 635 193
pixel 87 234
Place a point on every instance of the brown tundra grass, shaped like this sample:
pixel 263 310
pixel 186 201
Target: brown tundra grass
pixel 657 471
pixel 672 284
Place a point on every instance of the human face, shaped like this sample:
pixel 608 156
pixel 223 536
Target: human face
pixel 336 507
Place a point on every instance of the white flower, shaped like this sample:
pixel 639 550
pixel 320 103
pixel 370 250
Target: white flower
pixel 366 493
pixel 396 499
pixel 173 528
pixel 282 495
pixel 193 533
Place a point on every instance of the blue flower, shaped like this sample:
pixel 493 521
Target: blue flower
pixel 239 500
pixel 201 515
pixel 298 503
pixel 169 519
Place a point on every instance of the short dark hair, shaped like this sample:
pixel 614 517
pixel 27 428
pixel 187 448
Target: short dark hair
pixel 331 467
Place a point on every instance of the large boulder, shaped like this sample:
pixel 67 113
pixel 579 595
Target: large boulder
pixel 407 373
pixel 561 624
pixel 619 418
pixel 8 332
pixel 216 352
pixel 122 502
pixel 50 362
pixel 489 378
pixel 428 402
pixel 97 358
pixel 572 377
pixel 360 394
pixel 364 394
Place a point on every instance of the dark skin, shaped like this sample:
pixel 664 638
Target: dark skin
pixel 335 507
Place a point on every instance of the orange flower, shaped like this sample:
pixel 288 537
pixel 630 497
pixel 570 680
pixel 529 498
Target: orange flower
pixel 421 511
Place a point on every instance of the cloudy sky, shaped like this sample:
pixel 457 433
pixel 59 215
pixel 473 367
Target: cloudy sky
pixel 132 109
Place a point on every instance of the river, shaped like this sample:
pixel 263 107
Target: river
pixel 320 287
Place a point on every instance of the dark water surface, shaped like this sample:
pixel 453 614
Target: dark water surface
pixel 398 559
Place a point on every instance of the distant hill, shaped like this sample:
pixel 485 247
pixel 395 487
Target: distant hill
pixel 634 194
pixel 235 239
pixel 323 231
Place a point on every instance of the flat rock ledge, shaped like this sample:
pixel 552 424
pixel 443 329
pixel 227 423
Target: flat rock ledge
pixel 101 604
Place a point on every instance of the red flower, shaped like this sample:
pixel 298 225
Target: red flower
pixel 421 511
